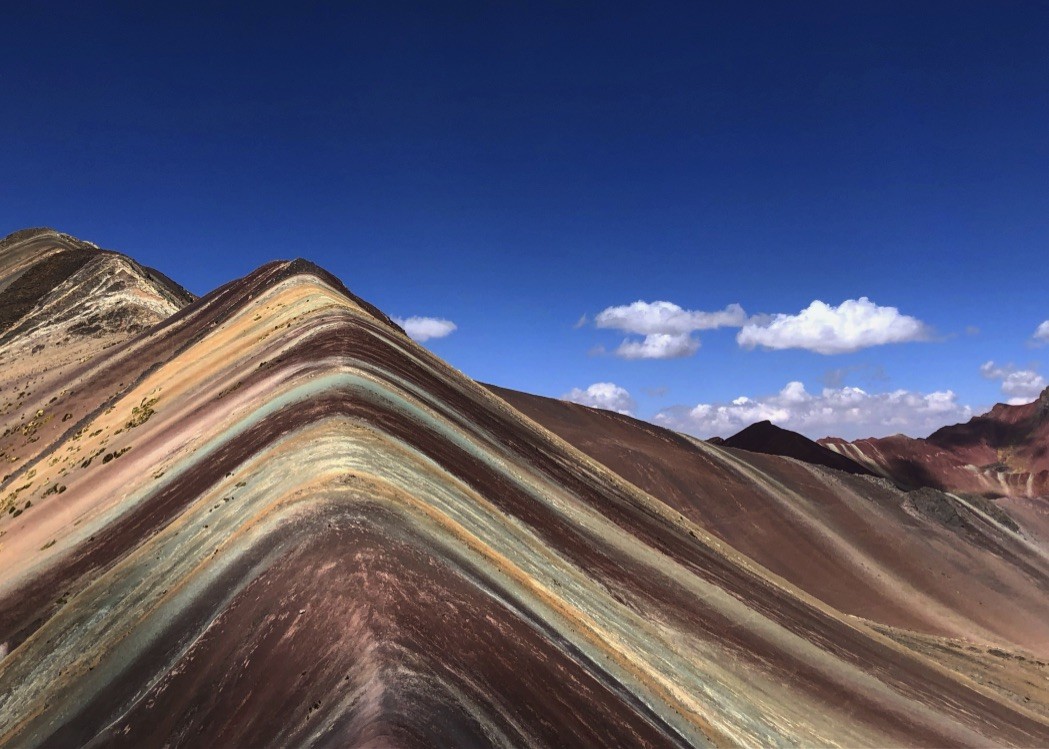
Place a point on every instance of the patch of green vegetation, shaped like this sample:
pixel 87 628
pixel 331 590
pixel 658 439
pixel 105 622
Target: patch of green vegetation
pixel 115 454
pixel 38 420
pixel 141 413
pixel 91 457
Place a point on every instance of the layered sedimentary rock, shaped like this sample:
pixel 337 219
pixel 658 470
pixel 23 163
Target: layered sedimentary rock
pixel 928 560
pixel 62 303
pixel 273 519
pixel 1004 452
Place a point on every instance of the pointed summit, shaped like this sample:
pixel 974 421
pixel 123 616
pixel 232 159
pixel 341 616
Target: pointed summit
pixel 48 278
pixel 766 437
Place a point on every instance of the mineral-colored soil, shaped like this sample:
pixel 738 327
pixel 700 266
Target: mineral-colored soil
pixel 270 518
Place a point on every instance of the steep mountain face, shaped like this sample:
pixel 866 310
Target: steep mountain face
pixel 1004 452
pixel 47 278
pixel 62 301
pixel 923 561
pixel 765 437
pixel 273 519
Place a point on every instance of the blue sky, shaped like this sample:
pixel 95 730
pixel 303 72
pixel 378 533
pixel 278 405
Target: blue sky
pixel 513 167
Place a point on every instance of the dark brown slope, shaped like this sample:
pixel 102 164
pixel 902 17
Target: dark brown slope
pixel 765 437
pixel 855 542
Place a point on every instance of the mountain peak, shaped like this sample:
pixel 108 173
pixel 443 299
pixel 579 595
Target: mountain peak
pixel 48 278
pixel 1000 452
pixel 1043 402
pixel 766 437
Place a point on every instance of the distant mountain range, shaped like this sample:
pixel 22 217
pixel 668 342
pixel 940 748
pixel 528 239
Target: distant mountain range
pixel 266 517
pixel 1004 452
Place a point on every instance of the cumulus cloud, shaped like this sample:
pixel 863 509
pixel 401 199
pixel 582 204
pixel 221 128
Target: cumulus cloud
pixel 659 346
pixel 1041 334
pixel 666 327
pixel 606 395
pixel 848 412
pixel 645 318
pixel 1018 385
pixel 424 328
pixel 853 325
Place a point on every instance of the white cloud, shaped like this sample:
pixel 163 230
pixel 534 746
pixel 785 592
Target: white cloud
pixel 659 346
pixel 424 328
pixel 848 412
pixel 645 318
pixel 1041 334
pixel 666 327
pixel 606 395
pixel 1019 385
pixel 852 325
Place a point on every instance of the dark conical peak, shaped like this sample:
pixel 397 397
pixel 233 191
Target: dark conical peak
pixel 765 426
pixel 765 437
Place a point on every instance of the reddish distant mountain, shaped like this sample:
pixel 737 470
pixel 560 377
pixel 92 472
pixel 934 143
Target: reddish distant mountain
pixel 1004 452
pixel 765 437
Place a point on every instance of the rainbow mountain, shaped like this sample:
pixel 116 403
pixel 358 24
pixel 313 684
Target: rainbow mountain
pixel 266 517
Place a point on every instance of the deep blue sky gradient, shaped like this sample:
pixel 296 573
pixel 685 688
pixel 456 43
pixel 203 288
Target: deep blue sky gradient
pixel 514 166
